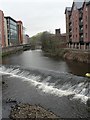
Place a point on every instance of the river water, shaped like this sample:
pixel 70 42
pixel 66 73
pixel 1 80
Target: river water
pixel 55 84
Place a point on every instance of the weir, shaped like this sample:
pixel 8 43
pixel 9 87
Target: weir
pixel 51 82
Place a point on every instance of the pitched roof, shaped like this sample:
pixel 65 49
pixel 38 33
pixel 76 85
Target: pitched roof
pixel 8 17
pixel 79 3
pixel 87 2
pixel 67 9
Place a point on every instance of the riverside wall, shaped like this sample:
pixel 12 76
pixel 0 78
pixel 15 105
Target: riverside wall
pixel 77 55
pixel 13 49
pixel 70 54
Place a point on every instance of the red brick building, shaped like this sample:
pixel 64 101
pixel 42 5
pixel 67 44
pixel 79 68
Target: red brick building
pixel 78 25
pixel 2 40
pixel 20 31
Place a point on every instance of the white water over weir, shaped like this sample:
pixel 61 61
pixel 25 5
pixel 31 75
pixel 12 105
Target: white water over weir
pixel 51 82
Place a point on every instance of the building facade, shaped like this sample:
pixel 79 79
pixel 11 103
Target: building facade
pixel 12 31
pixel 26 39
pixel 78 25
pixel 5 32
pixel 20 31
pixel 2 40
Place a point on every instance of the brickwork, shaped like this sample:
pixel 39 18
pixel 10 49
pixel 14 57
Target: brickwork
pixel 2 40
pixel 78 25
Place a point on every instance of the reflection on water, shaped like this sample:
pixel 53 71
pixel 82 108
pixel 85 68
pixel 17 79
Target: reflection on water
pixel 36 59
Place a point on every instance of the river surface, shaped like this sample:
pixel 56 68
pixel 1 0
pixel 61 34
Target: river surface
pixel 55 84
pixel 35 59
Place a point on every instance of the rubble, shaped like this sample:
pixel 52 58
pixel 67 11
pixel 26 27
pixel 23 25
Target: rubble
pixel 30 111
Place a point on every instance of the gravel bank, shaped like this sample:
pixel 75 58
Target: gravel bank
pixel 30 111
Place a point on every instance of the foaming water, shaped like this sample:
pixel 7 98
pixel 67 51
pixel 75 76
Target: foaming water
pixel 58 84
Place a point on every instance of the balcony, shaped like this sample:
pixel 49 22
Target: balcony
pixel 80 23
pixel 70 33
pixel 81 42
pixel 70 22
pixel 70 28
pixel 70 41
pixel 81 16
pixel 81 31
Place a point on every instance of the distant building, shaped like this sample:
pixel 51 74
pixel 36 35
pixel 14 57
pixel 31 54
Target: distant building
pixel 57 31
pixel 20 31
pixel 63 37
pixel 60 38
pixel 26 39
pixel 78 24
pixel 59 35
pixel 12 31
pixel 2 40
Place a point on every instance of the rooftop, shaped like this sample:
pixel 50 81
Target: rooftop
pixel 79 3
pixel 8 17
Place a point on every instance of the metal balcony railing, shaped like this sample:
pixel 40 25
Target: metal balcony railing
pixel 80 23
pixel 81 31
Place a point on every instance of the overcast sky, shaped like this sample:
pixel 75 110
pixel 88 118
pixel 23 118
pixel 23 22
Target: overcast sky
pixel 37 15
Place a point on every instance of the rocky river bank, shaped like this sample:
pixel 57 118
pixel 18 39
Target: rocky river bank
pixel 30 111
pixel 25 110
pixel 77 55
pixel 82 56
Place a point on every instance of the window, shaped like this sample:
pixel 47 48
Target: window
pixel 86 18
pixel 76 21
pixel 76 29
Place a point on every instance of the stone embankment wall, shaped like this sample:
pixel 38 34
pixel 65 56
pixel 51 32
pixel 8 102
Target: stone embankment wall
pixel 77 55
pixel 13 49
pixel 9 50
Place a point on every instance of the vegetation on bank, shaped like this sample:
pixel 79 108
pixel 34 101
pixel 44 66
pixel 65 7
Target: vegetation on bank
pixel 51 44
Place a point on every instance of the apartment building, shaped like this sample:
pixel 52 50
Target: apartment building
pixel 78 25
pixel 12 31
pixel 2 40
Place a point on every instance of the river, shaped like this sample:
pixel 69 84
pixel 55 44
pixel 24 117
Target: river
pixel 55 84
